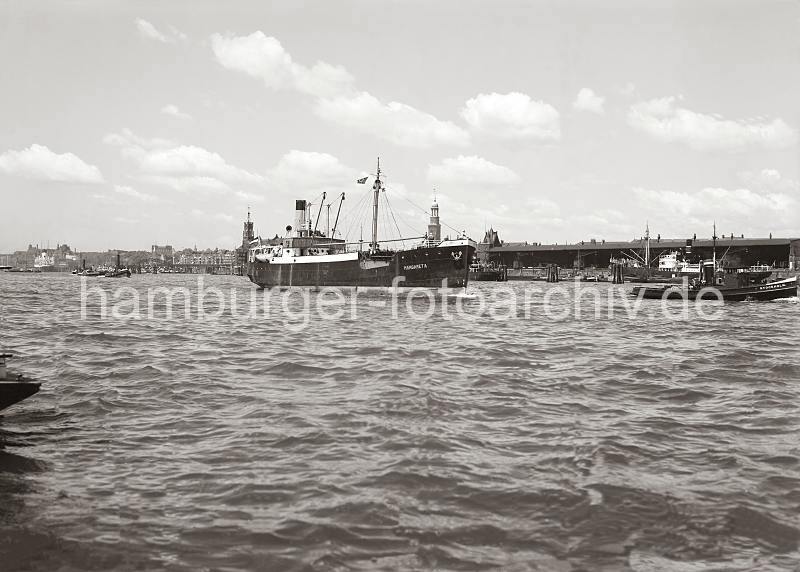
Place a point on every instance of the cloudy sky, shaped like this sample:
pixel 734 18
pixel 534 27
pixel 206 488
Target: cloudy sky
pixel 126 124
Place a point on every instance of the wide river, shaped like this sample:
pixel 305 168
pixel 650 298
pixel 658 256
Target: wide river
pixel 533 433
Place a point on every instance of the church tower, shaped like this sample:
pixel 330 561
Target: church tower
pixel 434 226
pixel 247 233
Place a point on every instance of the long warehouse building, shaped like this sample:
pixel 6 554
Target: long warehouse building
pixel 736 251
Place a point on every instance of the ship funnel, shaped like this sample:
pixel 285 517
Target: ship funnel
pixel 299 216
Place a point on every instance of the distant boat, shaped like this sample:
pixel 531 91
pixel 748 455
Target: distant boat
pixel 14 387
pixel 118 271
pixel 44 262
pixel 488 272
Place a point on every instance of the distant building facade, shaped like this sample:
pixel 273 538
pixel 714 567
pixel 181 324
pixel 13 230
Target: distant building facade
pixel 215 257
pixel 490 240
pixel 163 253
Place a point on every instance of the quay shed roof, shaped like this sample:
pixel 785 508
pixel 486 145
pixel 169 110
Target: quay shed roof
pixel 668 243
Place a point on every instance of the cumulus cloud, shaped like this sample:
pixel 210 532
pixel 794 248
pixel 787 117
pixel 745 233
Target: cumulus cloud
pixel 224 217
pixel 127 138
pixel 311 171
pixel 181 167
pixel 263 57
pixel 512 116
pixel 588 100
pixel 663 120
pixel 185 184
pixel 173 111
pixel 739 210
pixel 149 31
pixel 473 171
pixel 396 122
pixel 189 160
pixel 338 101
pixel 39 162
pixel 249 197
pixel 189 168
pixel 133 193
pixel 769 180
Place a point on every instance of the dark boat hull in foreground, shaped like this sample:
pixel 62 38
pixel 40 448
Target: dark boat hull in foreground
pixel 420 267
pixel 12 392
pixel 768 291
pixel 13 387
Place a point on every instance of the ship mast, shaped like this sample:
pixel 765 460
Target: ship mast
pixel 377 189
pixel 714 251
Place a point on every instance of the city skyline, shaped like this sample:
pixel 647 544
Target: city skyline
pixel 579 122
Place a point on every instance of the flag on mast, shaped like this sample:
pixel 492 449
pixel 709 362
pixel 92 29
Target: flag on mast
pixel 362 181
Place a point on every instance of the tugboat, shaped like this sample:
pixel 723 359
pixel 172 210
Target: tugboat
pixel 307 257
pixel 490 272
pixel 14 387
pixel 729 284
pixel 118 271
pixel 735 285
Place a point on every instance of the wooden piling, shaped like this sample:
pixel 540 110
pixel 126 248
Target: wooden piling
pixel 552 273
pixel 617 276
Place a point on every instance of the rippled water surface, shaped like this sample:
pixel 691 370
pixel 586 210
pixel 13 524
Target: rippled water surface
pixel 383 443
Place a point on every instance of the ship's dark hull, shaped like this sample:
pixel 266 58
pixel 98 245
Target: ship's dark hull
pixel 768 291
pixel 12 392
pixel 421 267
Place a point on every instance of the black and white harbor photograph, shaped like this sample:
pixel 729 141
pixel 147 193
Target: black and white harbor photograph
pixel 398 285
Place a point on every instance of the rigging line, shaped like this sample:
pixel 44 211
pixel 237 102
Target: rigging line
pixel 388 216
pixel 428 212
pixel 397 226
pixel 386 227
pixel 354 215
pixel 310 204
pixel 364 209
pixel 361 214
pixel 404 221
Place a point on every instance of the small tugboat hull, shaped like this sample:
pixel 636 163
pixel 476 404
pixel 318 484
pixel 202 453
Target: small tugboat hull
pixel 487 276
pixel 768 291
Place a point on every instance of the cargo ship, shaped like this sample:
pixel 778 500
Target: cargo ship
pixel 306 256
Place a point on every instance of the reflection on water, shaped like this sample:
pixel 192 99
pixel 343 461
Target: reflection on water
pixel 379 443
